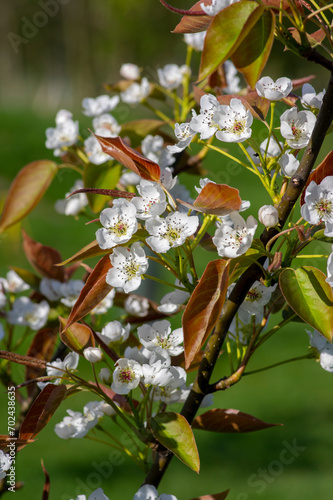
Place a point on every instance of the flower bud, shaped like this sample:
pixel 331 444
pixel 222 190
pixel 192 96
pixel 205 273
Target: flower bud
pixel 105 375
pixel 93 354
pixel 268 215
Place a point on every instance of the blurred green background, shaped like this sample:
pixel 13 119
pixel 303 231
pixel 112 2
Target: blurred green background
pixel 79 48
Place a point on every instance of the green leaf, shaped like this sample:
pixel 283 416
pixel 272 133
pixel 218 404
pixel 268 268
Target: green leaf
pixel 77 337
pixel 174 432
pixel 308 294
pixel 26 191
pixel 252 54
pixel 226 32
pixel 101 177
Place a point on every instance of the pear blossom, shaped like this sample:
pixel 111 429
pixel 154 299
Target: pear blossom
pixel 226 219
pixel 310 99
pixel 142 356
pixel 76 425
pixel 184 134
pixel 202 184
pixel 274 91
pixel 204 122
pixel 114 331
pixel 170 232
pixel 152 148
pixel 56 368
pixel 5 463
pixel 119 224
pixel 100 408
pixel 171 301
pixel 129 178
pixel 324 349
pixel 74 204
pixel 94 151
pixel 216 6
pixel 136 305
pixel 152 200
pixel 297 126
pixel 128 267
pixel 50 288
pixel 169 391
pixel 70 292
pixel 318 204
pixel 106 126
pixel 329 278
pixel 136 92
pixel 195 40
pixel 157 372
pixel 28 313
pixel 126 376
pixel 167 179
pixel 159 335
pixel 64 134
pixel 95 495
pixel 105 304
pixel 289 164
pixel 171 76
pixel 105 375
pixel 257 297
pixel 244 324
pixel 93 354
pixel 13 283
pixel 232 242
pixel 99 105
pixel 130 71
pixel 268 215
pixel 234 122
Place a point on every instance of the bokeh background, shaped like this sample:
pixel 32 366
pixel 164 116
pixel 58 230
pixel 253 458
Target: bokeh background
pixel 73 52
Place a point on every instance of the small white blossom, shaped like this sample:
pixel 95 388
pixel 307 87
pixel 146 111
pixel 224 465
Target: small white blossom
pixel 95 495
pixel 195 40
pixel 318 204
pixel 5 463
pixel 94 151
pixel 231 77
pixel 142 356
pixel 324 348
pixel 126 376
pixel 204 122
pixel 297 126
pixel 157 372
pixel 171 301
pixel 184 134
pixel 170 232
pixel 2 332
pixel 74 204
pixel 129 178
pixel 50 288
pixel 105 375
pixel 167 180
pixel 257 297
pixel 130 71
pixel 128 267
pixel 64 134
pixel 136 306
pixel 114 331
pixel 232 242
pixel 152 148
pixel 55 368
pixel 274 91
pixel 106 304
pixel 119 224
pixel 93 354
pixel 76 425
pixel 152 200
pixel 171 76
pixel 309 97
pixel 289 164
pixel 3 299
pixel 99 105
pixel 100 408
pixel 13 283
pixel 159 335
pixel 136 92
pixel 234 122
pixel 268 215
pixel 216 6
pixel 169 392
pixel 70 292
pixel 28 313
pixel 106 126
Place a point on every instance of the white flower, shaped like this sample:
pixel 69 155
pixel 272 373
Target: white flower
pixel 329 278
pixel 274 91
pixel 74 204
pixel 136 306
pixel 318 206
pixel 100 408
pixel 169 392
pixel 232 242
pixel 152 148
pixel 64 134
pixel 106 303
pixel 158 371
pixel 234 122
pixel 202 184
pixel 70 362
pixel 13 283
pixel 94 151
pixel 130 71
pixel 309 97
pixel 268 215
pixel 126 376
pixel 195 40
pixel 119 224
pixel 95 495
pixel 77 425
pixel 257 297
pixel 159 335
pixel 136 92
pixel 93 354
pixel 324 348
pixel 226 219
pixel 105 375
pixel 5 463
pixel 231 77
pixel 152 200
pixel 216 6
pixel 50 288
pixel 204 122
pixel 129 178
pixel 142 355
pixel 297 126
pixel 27 313
pixel 170 232
pixel 184 134
pixel 171 76
pixel 167 179
pixel 114 331
pixel 99 105
pixel 171 301
pixel 106 126
pixel 128 267
pixel 289 164
pixel 70 292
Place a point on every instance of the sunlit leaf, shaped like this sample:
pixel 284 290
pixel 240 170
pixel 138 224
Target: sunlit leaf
pixel 230 421
pixel 77 337
pixel 194 24
pixel 216 199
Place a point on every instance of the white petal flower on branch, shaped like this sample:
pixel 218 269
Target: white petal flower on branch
pixel 152 148
pixel 130 71
pixel 76 425
pixel 159 335
pixel 171 301
pixel 95 495
pixel 268 215
pixel 170 232
pixel 50 288
pixel 171 76
pixel 105 375
pixel 28 313
pixel 70 362
pixel 142 356
pixel 129 178
pixel 329 278
pixel 152 200
pixel 106 303
pixel 106 126
pixel 309 97
pixel 184 134
pixel 324 348
pixel 64 134
pixel 289 164
pixel 297 126
pixel 114 331
pixel 232 242
pixel 99 408
pixel 128 267
pixel 136 306
pixel 136 92
pixel 74 204
pixel 231 77
pixel 195 40
pixel 99 105
pixel 204 123
pixel 318 204
pixel 94 151
pixel 13 283
pixel 234 122
pixel 5 463
pixel 274 91
pixel 93 354
pixel 126 376
pixel 257 297
pixel 119 224
pixel 70 292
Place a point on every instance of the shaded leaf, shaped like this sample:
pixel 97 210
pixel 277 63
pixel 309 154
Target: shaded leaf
pixel 101 177
pixel 42 410
pixel 323 170
pixel 215 199
pixel 314 39
pixel 230 421
pixel 310 297
pixel 216 496
pixel 204 307
pixel 43 258
pixel 26 191
pixel 174 432
pixel 259 106
pixel 194 24
pixel 77 337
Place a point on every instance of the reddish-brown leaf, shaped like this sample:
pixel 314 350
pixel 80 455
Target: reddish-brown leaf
pixel 130 158
pixel 216 199
pixel 46 488
pixel 26 191
pixel 43 258
pixel 216 496
pixel 5 441
pixel 230 421
pixel 323 170
pixel 93 292
pixel 204 307
pixel 42 410
pixel 77 337
pixel 23 360
pixel 91 250
pixel 300 81
pixel 194 24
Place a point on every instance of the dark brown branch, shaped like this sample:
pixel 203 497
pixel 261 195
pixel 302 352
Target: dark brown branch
pixel 182 11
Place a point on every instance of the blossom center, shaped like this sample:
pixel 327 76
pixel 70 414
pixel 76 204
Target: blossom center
pixel 323 208
pixel 126 375
pixel 253 295
pixel 119 229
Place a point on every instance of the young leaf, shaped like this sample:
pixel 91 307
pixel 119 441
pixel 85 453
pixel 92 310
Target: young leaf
pixel 91 250
pixel 204 307
pixel 323 170
pixel 100 177
pixel 310 297
pixel 42 410
pixel 216 199
pixel 194 24
pixel 26 191
pixel 226 32
pixel 174 432
pixel 230 421
pixel 43 258
pixel 77 337
pixel 216 496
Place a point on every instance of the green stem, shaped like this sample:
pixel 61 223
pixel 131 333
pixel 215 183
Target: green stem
pixel 222 152
pixel 299 358
pixel 275 329
pixel 165 282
